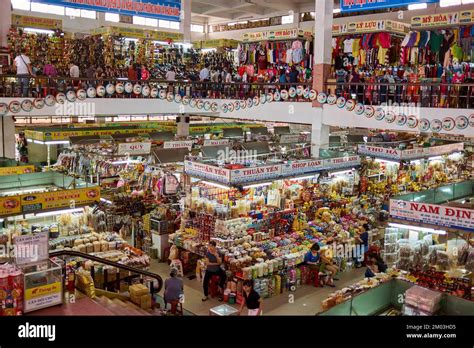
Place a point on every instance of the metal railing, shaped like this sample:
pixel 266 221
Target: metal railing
pixel 424 94
pixel 37 87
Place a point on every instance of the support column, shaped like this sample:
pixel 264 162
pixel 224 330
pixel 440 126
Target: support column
pixel 322 43
pixel 7 137
pixel 186 20
pixel 5 23
pixel 319 133
pixel 182 126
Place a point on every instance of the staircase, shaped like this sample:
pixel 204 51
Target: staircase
pixel 120 307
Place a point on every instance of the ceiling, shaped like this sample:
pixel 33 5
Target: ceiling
pixel 214 11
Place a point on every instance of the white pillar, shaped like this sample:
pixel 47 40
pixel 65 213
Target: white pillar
pixel 5 23
pixel 182 126
pixel 186 20
pixel 7 137
pixel 319 133
pixel 323 42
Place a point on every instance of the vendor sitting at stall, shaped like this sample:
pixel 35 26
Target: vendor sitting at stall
pixel 316 261
pixel 375 265
pixel 214 262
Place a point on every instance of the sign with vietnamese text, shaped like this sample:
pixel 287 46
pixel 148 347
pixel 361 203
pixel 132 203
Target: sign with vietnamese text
pixel 435 20
pixel 216 142
pixel 183 144
pixel 433 214
pixel 43 296
pixel 31 248
pixel 253 174
pixel 134 149
pixel 36 22
pixel 207 171
pixel 160 9
pixel 370 5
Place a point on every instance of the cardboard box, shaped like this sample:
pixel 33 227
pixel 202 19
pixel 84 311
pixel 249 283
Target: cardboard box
pixel 138 290
pixel 145 301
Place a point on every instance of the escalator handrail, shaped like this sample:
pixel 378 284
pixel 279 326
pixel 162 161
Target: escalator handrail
pixel 64 252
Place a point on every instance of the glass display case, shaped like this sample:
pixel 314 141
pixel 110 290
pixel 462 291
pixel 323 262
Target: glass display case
pixel 223 311
pixel 43 285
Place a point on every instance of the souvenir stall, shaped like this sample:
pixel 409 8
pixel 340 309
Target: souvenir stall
pixel 264 54
pixel 264 219
pixel 411 166
pixel 370 46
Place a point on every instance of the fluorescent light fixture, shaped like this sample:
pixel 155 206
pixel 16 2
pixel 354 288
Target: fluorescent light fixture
pixel 125 162
pixel 418 228
pixel 421 6
pixel 336 10
pixel 60 212
pixel 341 172
pixel 435 158
pixel 380 160
pixel 56 142
pixel 263 184
pixel 467 2
pixel 29 140
pixel 303 177
pixel 38 31
pixel 23 191
pixel 447 3
pixel 131 39
pixel 105 201
pixel 216 185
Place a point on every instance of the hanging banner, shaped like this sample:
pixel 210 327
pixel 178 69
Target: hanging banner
pixel 244 175
pixel 372 26
pixel 216 142
pixel 137 33
pixel 160 9
pixel 36 22
pixel 434 214
pixel 178 144
pixel 16 170
pixel 421 152
pixel 134 149
pixel 282 34
pixel 435 20
pixel 379 151
pixel 206 171
pixel 302 167
pixel 466 17
pixel 370 5
pixel 59 199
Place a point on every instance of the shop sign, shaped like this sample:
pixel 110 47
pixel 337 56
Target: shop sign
pixel 366 26
pixel 134 149
pixel 295 138
pixel 370 5
pixel 16 170
pixel 339 29
pixel 216 43
pixel 216 142
pixel 160 9
pixel 397 27
pixel 178 144
pixel 466 17
pixel 36 22
pixel 244 175
pixel 283 34
pixel 433 214
pixel 378 151
pixel 43 296
pixel 341 162
pixel 432 151
pixel 59 199
pixel 31 248
pixel 302 167
pixel 206 171
pixel 435 20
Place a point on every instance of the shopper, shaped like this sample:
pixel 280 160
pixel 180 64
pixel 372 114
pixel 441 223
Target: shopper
pixel 132 72
pixel 363 239
pixel 171 75
pixel 252 300
pixel 90 72
pixel 204 74
pixel 293 75
pixel 282 78
pixel 214 262
pixel 49 70
pixel 174 290
pixel 375 265
pixel 74 71
pixel 145 73
pixel 24 71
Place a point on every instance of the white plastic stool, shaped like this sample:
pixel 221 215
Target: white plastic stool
pixel 178 266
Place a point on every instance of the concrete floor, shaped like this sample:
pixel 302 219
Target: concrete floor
pixel 306 300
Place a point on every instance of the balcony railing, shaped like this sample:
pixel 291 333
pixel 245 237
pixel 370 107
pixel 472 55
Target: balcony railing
pixel 424 94
pixel 37 87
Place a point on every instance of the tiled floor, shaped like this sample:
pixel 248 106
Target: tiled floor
pixel 306 300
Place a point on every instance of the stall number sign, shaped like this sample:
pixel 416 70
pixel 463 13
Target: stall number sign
pixel 43 296
pixel 31 248
pixel 217 142
pixel 206 171
pixel 440 19
pixel 433 214
pixel 255 174
pixel 178 144
pixel 134 148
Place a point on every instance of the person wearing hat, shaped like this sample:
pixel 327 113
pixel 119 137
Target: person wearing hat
pixel 174 290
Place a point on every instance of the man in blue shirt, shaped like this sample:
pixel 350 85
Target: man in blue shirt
pixel 312 257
